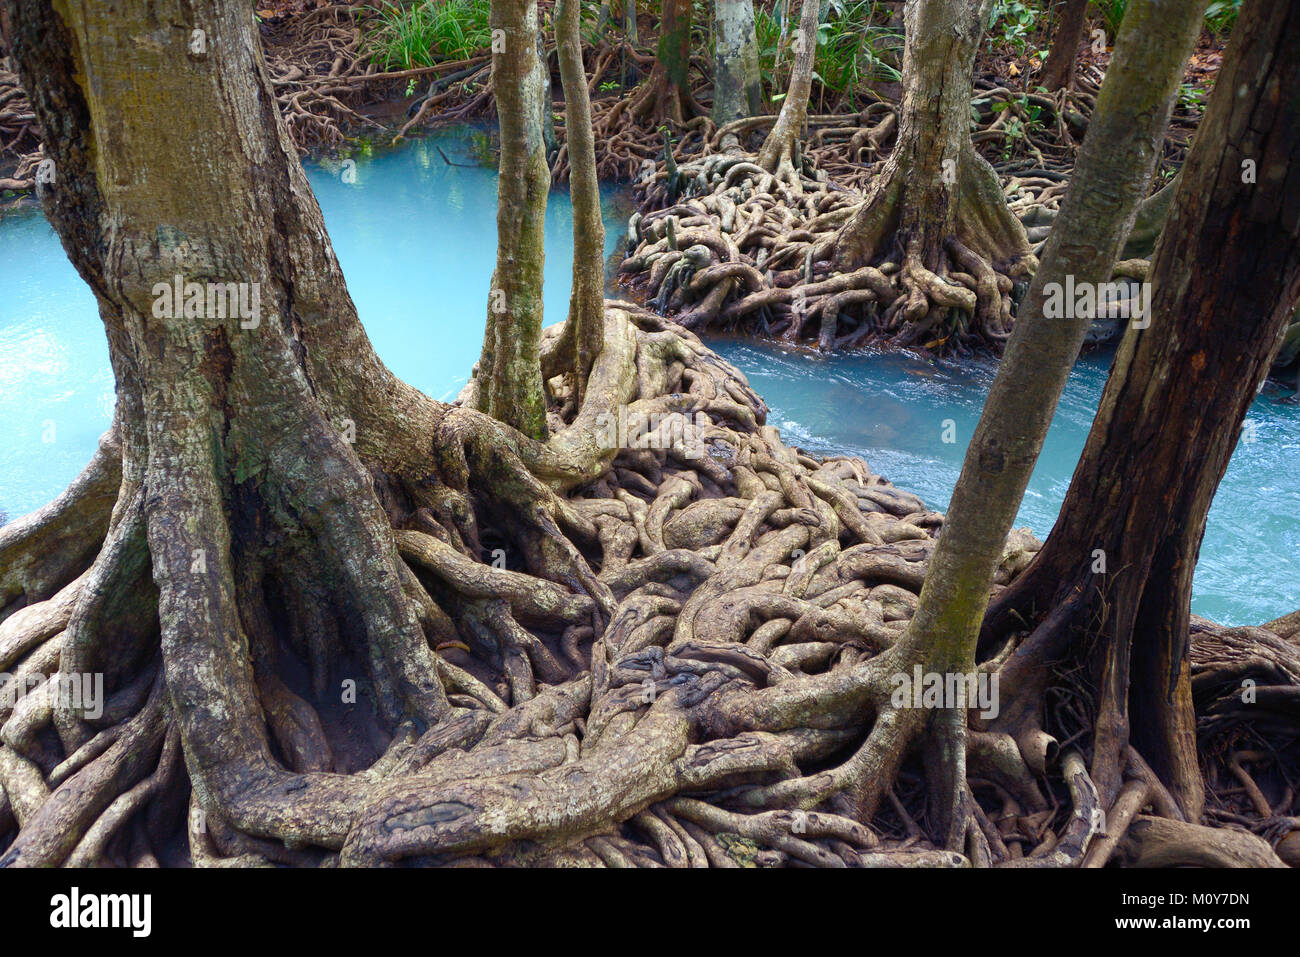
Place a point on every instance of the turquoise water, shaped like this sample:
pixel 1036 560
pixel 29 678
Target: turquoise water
pixel 894 410
pixel 417 241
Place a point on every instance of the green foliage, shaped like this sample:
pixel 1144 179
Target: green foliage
pixel 1112 14
pixel 1025 118
pixel 853 51
pixel 1191 98
pixel 1011 23
pixel 1221 15
pixel 405 37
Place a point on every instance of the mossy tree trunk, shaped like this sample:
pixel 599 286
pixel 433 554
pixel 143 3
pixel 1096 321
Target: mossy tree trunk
pixel 509 377
pixel 737 86
pixel 260 460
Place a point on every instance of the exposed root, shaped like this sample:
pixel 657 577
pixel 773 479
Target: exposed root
pixel 767 242
pixel 677 648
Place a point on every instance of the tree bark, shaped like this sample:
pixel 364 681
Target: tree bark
pixel 670 78
pixel 1225 275
pixel 509 376
pixel 779 149
pixel 1113 174
pixel 238 472
pixel 1058 71
pixel 586 324
pixel 737 89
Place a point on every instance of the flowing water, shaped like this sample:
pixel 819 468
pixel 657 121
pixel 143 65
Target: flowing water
pixel 417 238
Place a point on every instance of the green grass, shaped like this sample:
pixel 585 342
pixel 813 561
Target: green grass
pixel 404 37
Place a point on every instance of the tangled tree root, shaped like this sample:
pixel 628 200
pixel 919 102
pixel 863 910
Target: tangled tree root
pixel 735 238
pixel 772 244
pixel 680 654
pixel 19 139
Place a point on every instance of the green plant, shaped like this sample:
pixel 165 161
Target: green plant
pixel 1221 15
pixel 1191 98
pixel 853 52
pixel 1012 22
pixel 405 37
pixel 1026 118
pixel 1112 14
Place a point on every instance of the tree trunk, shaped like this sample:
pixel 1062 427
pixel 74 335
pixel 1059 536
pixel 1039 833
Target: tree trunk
pixel 629 23
pixel 779 149
pixel 1112 175
pixel 509 376
pixel 1058 71
pixel 236 408
pixel 586 324
pixel 737 89
pixel 670 79
pixel 935 190
pixel 1225 275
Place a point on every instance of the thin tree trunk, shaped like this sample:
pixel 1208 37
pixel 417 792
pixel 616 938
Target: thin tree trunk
pixel 1225 276
pixel 509 376
pixel 630 24
pixel 737 90
pixel 1112 175
pixel 586 323
pixel 1058 71
pixel 779 148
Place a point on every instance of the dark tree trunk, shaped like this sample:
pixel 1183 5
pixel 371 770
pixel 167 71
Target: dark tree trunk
pixel 1225 276
pixel 1071 20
